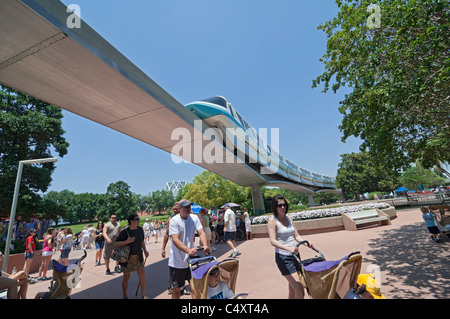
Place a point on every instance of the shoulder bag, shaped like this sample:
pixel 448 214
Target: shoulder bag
pixel 122 253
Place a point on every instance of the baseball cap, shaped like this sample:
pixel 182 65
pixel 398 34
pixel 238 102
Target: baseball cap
pixel 184 203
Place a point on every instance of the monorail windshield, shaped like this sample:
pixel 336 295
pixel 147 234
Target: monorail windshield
pixel 216 100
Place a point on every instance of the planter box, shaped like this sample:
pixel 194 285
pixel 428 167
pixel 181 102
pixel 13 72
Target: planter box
pixel 18 261
pixel 318 225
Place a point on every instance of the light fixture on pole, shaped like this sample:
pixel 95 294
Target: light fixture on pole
pixel 12 217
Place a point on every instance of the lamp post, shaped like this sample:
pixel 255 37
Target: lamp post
pixel 12 217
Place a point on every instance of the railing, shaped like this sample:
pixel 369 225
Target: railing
pixel 418 200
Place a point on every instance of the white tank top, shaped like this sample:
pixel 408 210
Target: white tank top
pixel 285 236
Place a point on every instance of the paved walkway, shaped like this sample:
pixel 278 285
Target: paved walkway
pixel 411 265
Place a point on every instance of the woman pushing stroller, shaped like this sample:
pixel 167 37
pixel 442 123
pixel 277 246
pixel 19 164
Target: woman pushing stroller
pixel 284 237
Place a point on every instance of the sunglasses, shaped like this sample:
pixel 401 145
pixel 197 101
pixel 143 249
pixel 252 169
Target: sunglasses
pixel 137 219
pixel 282 205
pixel 113 217
pixel 214 273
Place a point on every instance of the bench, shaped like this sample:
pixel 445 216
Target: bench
pixel 369 217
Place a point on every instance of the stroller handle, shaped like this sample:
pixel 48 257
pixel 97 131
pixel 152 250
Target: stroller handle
pixel 302 242
pixel 308 244
pixel 84 256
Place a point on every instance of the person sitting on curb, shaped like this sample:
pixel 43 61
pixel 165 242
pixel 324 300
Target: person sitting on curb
pixel 11 283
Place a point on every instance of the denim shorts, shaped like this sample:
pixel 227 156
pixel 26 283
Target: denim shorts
pixel 65 253
pixel 29 255
pixel 287 264
pixel 99 245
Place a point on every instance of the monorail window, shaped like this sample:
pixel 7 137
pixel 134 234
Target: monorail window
pixel 231 110
pixel 217 100
pixel 240 119
pixel 246 125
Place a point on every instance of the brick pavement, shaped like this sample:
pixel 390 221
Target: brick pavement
pixel 411 265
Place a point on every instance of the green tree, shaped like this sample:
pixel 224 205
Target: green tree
pixel 416 175
pixel 397 75
pixel 161 200
pixel 212 191
pixel 63 198
pixel 143 202
pixel 359 173
pixel 326 198
pixel 117 200
pixel 51 210
pixel 29 129
pixel 86 206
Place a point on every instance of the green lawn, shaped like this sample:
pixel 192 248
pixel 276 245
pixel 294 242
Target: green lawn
pixel 79 227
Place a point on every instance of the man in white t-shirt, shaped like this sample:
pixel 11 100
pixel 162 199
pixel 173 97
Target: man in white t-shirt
pixel 229 230
pixel 182 228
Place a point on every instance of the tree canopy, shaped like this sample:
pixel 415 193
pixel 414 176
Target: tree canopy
pixel 29 129
pixel 359 173
pixel 212 191
pixel 416 175
pixel 397 73
pixel 118 200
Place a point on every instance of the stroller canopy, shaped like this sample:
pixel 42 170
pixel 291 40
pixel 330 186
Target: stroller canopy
pixel 331 279
pixel 199 281
pixel 325 265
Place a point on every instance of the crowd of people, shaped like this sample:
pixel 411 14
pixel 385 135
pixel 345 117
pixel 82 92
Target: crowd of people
pixel 181 230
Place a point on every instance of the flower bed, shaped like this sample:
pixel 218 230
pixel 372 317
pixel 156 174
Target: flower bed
pixel 322 213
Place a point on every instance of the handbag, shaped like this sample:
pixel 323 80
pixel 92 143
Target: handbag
pixel 122 253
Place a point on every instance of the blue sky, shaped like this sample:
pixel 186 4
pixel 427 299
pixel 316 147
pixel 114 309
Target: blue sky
pixel 262 55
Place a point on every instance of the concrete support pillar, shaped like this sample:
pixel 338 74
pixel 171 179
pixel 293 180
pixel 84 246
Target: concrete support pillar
pixel 311 200
pixel 258 200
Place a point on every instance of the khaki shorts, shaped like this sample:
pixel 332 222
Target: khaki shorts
pixel 207 233
pixel 108 250
pixel 133 264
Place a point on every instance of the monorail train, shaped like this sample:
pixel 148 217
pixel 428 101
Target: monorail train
pixel 218 112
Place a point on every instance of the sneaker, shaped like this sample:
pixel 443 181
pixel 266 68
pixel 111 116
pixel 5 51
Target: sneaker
pixel 108 272
pixel 184 291
pixel 117 269
pixel 234 254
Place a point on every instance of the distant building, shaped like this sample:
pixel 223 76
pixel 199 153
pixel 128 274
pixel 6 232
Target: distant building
pixel 174 187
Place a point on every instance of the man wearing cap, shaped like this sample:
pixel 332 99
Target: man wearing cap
pixel 182 230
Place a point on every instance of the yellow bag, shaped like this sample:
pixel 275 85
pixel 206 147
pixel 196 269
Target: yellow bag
pixel 372 285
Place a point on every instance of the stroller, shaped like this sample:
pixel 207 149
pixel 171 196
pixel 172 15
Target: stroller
pixel 331 279
pixel 442 215
pixel 202 267
pixel 64 279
